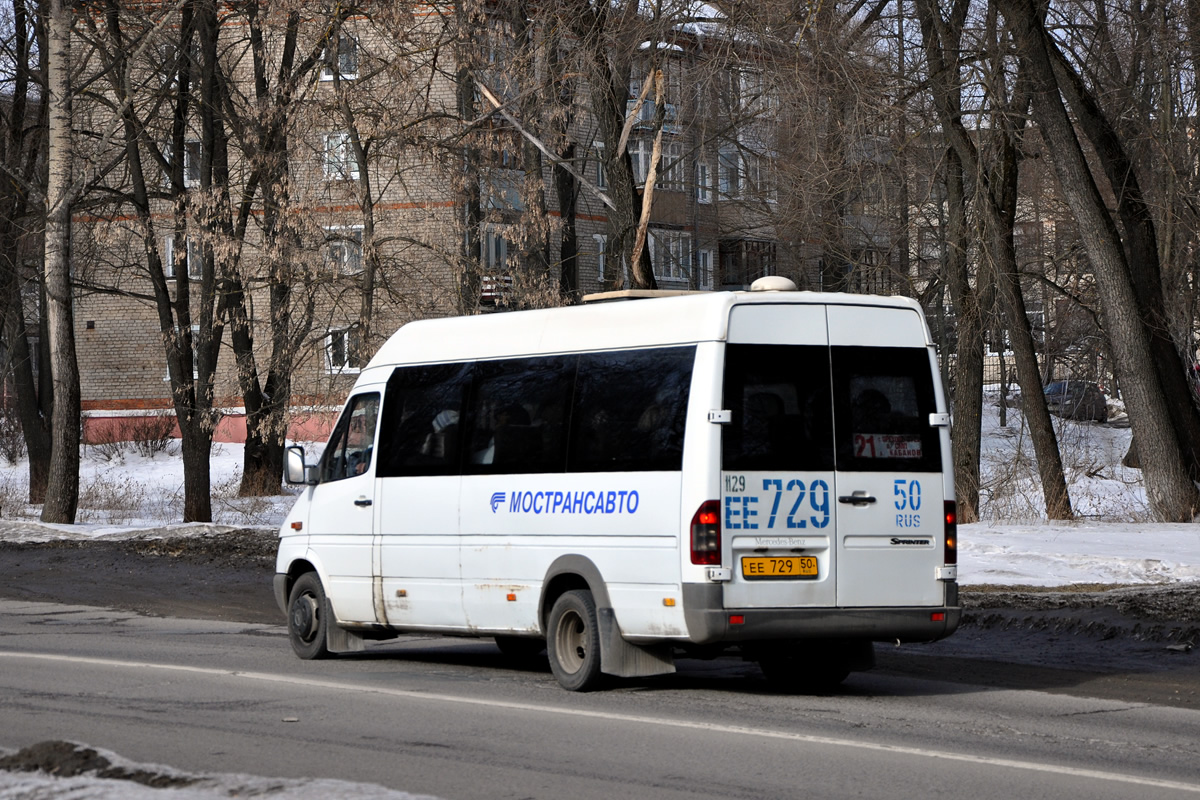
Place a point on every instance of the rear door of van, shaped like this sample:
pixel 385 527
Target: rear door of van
pixel 889 483
pixel 778 511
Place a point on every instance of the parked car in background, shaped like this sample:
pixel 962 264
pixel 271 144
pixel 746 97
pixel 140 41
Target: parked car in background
pixel 1077 400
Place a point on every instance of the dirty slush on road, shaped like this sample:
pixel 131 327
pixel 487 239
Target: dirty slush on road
pixel 1014 637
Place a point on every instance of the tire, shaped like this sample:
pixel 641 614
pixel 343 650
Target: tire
pixel 307 621
pixel 520 648
pixel 573 641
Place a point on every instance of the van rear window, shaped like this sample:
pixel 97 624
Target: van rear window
pixel 782 408
pixel 812 407
pixel 883 397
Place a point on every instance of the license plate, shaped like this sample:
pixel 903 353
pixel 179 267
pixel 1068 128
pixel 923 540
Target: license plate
pixel 758 568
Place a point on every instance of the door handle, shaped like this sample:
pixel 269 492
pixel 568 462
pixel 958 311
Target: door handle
pixel 859 498
pixel 362 501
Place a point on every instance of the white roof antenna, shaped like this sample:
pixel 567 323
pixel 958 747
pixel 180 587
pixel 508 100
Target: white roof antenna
pixel 773 283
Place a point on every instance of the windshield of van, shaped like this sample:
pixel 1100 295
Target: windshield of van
pixel 811 407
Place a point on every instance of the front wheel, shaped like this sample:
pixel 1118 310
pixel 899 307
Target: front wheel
pixel 573 643
pixel 307 621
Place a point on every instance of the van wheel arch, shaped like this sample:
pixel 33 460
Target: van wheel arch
pixel 298 568
pixel 566 574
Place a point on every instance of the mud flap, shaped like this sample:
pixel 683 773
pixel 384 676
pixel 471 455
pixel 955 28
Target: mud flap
pixel 627 660
pixel 338 639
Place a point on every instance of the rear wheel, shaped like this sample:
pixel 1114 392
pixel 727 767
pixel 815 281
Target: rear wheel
pixel 573 643
pixel 307 622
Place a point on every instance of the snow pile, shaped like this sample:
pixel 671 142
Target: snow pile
pixel 1062 554
pixel 70 770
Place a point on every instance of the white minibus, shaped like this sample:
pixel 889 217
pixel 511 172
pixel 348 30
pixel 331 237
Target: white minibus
pixel 766 472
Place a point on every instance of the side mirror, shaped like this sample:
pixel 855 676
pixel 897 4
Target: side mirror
pixel 294 468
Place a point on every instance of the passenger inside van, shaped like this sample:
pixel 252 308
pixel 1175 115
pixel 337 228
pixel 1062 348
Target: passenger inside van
pixel 871 412
pixel 510 427
pixel 442 440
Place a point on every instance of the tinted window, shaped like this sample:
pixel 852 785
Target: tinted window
pixel 517 416
pixel 421 425
pixel 630 409
pixel 883 398
pixel 781 403
pixel 352 442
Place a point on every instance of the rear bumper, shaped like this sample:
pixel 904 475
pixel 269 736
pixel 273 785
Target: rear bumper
pixel 708 621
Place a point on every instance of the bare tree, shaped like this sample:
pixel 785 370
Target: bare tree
pixel 1172 494
pixel 62 491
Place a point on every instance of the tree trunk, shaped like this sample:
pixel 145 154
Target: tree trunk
pixel 33 409
pixel 1142 254
pixel 22 140
pixel 968 373
pixel 62 493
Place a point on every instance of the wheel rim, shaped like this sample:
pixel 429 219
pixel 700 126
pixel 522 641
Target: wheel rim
pixel 305 620
pixel 571 642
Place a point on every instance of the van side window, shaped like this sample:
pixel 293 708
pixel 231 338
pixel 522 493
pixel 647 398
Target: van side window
pixel 782 408
pixel 629 410
pixel 421 420
pixel 883 397
pixel 352 442
pixel 517 417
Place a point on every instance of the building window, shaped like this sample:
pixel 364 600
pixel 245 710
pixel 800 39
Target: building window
pixel 192 155
pixel 342 351
pixel 743 261
pixel 670 253
pixel 670 168
pixel 640 151
pixel 601 169
pixel 601 255
pixel 344 61
pixel 703 183
pixel 343 251
pixel 728 166
pixel 494 255
pixel 704 262
pixel 195 366
pixel 195 258
pixel 340 163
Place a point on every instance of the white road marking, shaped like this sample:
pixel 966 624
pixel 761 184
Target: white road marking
pixel 713 727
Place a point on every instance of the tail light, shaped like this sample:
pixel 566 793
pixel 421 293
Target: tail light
pixel 706 533
pixel 951 521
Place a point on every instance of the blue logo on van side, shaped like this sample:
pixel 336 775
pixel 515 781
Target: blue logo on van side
pixel 625 501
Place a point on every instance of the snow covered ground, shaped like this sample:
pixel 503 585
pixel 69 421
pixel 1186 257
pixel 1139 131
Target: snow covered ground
pixel 1111 542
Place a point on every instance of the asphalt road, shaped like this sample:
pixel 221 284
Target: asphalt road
pixel 174 653
pixel 454 718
